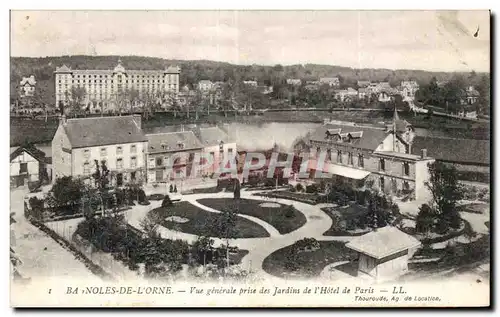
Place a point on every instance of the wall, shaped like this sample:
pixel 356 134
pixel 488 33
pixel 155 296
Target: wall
pixel 167 169
pixel 33 166
pixel 392 268
pixel 422 193
pixel 61 161
pixel 217 157
pixel 111 156
pixel 367 264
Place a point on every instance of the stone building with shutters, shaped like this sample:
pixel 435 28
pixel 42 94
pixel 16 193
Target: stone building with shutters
pixel 118 142
pixel 171 156
pixel 366 155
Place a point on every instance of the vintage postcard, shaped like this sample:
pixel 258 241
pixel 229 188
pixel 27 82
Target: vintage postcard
pixel 250 158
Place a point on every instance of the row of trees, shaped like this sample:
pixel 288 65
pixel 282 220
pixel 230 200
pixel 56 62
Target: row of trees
pixel 451 95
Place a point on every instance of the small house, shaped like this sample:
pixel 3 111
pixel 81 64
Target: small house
pixel 384 252
pixel 28 164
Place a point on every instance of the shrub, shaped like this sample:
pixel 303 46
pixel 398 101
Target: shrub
pixel 175 188
pixel 299 187
pixel 311 189
pixel 171 189
pixel 37 208
pixel 425 219
pixel 141 195
pixel 166 201
pixel 289 211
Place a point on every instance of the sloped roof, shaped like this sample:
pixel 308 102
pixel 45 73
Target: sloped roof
pixel 213 136
pixel 30 80
pixel 166 142
pixel 37 154
pixel 383 242
pixel 370 139
pixel 87 132
pixel 467 151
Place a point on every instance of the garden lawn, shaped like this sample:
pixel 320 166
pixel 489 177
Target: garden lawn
pixel 284 218
pixel 349 215
pixel 308 264
pixel 200 220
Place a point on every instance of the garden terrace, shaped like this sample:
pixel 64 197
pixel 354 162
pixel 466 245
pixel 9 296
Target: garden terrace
pixel 291 260
pixel 200 222
pixel 285 218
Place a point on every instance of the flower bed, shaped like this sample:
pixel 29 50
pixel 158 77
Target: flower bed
pixel 285 218
pixel 292 260
pixel 200 222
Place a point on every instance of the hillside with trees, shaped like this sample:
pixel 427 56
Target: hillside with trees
pixel 192 71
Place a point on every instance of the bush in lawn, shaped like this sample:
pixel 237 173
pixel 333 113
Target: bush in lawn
pixel 166 201
pixel 299 187
pixel 142 196
pixel 175 188
pixel 289 211
pixel 307 244
pixel 171 189
pixel 311 189
pixel 37 208
pixel 425 219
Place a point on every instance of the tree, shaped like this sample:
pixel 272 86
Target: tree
pixel 225 226
pixel 446 192
pixel 65 192
pixel 101 180
pixel 150 223
pixel 380 212
pixel 425 219
pixel 202 247
pixel 237 189
pixel 77 95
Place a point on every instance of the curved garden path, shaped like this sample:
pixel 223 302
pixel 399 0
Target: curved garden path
pixel 317 222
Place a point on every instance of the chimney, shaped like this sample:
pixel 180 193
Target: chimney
pixel 424 153
pixel 138 120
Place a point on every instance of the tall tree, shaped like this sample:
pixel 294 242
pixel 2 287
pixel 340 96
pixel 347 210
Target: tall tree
pixel 446 192
pixel 225 226
pixel 77 97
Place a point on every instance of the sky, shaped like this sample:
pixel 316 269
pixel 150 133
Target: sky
pixel 427 40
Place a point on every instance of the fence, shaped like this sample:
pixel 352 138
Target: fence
pixel 66 230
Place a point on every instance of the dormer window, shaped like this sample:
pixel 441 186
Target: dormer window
pixel 180 145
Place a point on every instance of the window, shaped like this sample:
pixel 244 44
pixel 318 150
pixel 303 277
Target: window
pixel 23 168
pixel 382 165
pixel 361 162
pixel 86 168
pixel 133 149
pixel 133 162
pixel 339 156
pixel 328 155
pixel 86 153
pixel 159 161
pixel 119 163
pixel 230 152
pixel 382 183
pixel 104 151
pixel 349 159
pixel 406 169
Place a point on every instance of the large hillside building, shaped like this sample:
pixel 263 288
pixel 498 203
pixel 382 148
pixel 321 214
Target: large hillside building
pixel 107 85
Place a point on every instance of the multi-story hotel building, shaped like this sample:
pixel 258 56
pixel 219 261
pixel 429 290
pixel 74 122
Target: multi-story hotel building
pixel 117 141
pixel 382 155
pixel 105 85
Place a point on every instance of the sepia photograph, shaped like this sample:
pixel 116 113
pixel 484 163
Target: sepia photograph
pixel 250 158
